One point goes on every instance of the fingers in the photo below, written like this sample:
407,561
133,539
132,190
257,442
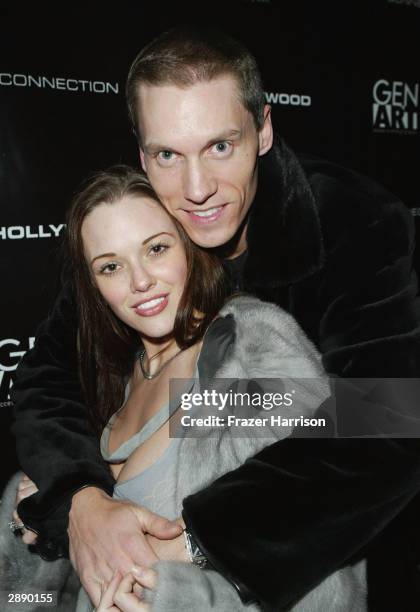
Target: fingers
156,525
106,603
125,598
16,518
28,536
92,570
94,590
122,594
107,535
25,490
138,590
25,487
146,577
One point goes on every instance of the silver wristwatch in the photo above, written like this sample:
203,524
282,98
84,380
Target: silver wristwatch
194,552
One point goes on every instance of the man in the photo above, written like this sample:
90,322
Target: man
332,248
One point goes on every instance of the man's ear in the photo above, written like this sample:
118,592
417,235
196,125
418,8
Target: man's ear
265,135
142,162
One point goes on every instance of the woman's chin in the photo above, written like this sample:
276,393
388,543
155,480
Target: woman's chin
158,335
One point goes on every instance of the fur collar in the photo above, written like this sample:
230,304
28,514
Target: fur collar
284,220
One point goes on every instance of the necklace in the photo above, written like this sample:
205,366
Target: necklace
147,374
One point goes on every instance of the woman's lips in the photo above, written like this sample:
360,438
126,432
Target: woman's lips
152,307
204,217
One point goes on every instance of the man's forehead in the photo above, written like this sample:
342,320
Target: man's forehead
200,112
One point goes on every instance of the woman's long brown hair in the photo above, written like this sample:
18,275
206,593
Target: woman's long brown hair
106,345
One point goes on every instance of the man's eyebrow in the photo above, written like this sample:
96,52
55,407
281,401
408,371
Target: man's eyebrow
155,146
226,135
143,243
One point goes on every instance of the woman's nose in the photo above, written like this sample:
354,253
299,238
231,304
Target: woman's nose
141,280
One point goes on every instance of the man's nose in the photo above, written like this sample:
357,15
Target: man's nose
141,279
199,182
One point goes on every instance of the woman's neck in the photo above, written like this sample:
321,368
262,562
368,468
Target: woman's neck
158,352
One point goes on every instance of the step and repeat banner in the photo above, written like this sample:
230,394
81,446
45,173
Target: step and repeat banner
343,82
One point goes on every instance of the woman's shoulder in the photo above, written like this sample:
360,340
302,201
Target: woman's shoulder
250,312
268,340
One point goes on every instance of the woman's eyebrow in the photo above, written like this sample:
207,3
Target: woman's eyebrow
155,235
103,255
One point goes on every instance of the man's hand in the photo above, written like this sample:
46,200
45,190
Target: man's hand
170,550
106,535
26,487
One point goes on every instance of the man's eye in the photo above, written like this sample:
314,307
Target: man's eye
165,155
222,147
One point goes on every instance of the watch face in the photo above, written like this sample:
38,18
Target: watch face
194,552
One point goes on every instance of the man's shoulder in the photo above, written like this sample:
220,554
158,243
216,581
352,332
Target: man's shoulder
348,199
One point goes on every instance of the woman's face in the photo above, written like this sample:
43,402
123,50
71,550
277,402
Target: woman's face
138,262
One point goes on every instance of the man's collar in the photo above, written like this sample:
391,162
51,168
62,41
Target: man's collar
284,233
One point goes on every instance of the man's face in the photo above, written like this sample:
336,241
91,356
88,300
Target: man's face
199,149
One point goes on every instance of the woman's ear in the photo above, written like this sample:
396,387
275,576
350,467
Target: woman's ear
265,135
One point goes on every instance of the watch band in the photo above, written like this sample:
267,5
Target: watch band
194,552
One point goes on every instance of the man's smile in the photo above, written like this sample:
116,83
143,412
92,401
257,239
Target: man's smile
204,217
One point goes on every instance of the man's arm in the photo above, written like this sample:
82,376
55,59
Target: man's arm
300,509
56,447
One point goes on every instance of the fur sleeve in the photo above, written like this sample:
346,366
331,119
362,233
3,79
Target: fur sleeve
182,586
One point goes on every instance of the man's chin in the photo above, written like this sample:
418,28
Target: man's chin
210,240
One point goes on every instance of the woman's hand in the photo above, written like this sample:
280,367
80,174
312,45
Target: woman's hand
123,594
26,487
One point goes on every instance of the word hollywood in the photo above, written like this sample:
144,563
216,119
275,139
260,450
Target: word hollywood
285,99
395,106
19,232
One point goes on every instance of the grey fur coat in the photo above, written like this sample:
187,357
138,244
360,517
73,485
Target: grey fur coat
268,344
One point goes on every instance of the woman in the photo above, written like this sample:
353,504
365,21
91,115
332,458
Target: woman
151,309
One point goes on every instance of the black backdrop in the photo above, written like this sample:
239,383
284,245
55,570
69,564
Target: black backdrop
342,78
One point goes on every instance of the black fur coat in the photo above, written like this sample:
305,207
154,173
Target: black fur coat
335,250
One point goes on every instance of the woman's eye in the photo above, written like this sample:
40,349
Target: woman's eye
110,268
158,249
